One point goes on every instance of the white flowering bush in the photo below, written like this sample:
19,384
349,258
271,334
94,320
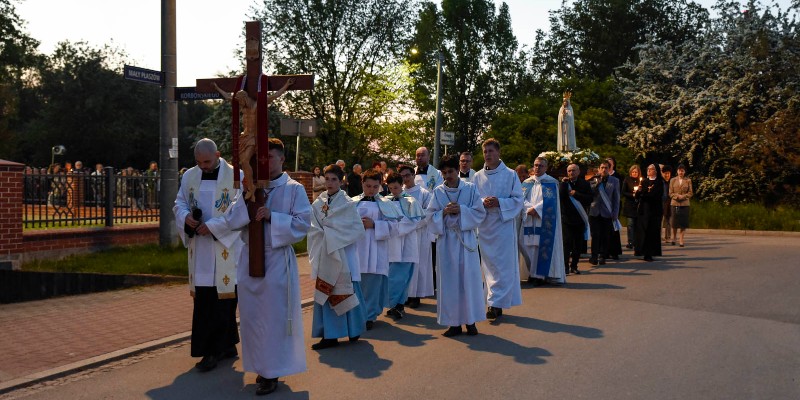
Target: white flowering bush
558,160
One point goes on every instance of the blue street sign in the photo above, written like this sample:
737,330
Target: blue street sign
143,75
188,93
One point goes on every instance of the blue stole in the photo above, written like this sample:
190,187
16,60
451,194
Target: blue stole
547,231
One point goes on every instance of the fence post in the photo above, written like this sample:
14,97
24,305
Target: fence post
11,210
110,195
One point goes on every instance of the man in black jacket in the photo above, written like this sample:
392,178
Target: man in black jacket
575,195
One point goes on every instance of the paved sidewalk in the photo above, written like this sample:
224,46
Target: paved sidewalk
50,337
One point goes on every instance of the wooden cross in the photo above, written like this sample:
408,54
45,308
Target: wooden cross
251,83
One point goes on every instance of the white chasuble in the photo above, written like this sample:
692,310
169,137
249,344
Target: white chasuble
498,236
460,298
211,257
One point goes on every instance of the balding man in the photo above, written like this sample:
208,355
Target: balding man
206,192
426,175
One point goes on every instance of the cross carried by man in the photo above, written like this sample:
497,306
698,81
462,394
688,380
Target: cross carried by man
250,148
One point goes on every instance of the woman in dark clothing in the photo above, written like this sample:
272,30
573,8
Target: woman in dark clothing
615,243
648,234
629,207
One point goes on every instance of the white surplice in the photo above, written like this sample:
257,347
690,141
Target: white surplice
498,235
460,298
534,198
429,180
270,307
422,280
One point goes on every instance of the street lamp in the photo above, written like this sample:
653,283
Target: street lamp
438,128
56,150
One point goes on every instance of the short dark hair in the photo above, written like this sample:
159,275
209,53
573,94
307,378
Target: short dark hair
394,177
404,167
275,144
448,161
681,166
373,174
465,153
613,160
491,142
334,169
666,168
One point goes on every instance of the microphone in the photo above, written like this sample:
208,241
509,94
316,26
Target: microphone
197,215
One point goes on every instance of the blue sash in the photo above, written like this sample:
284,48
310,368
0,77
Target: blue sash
547,231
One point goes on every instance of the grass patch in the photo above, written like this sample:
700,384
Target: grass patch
146,259
711,215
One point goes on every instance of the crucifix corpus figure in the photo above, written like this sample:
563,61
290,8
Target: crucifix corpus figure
247,139
566,125
250,94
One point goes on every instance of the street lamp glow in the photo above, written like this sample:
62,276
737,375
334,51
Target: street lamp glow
414,51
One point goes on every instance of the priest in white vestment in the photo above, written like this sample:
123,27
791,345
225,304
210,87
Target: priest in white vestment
205,194
270,307
540,234
501,193
455,211
335,229
465,172
426,175
421,284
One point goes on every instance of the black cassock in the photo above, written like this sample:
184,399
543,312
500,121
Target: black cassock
650,210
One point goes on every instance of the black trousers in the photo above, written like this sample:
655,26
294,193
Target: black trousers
601,235
213,322
573,244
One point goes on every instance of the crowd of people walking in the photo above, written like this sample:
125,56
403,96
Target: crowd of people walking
381,240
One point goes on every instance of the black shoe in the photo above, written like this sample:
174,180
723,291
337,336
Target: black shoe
566,271
453,331
324,344
575,271
354,339
648,258
491,313
628,246
593,260
370,324
396,311
207,363
228,353
531,280
472,330
266,386
413,302
260,379
615,258
602,261
637,253
539,282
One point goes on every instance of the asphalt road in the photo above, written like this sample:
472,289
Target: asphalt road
718,319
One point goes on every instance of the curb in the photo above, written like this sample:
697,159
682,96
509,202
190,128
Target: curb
732,232
94,362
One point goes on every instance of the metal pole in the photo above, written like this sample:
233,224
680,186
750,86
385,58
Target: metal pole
438,134
168,127
297,149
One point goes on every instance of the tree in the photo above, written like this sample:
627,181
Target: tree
83,102
727,104
18,58
353,48
591,38
481,66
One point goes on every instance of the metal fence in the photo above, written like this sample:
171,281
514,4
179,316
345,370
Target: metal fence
77,199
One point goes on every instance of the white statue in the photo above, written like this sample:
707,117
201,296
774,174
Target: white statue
566,126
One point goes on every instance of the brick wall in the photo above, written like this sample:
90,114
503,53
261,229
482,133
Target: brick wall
306,179
10,214
59,243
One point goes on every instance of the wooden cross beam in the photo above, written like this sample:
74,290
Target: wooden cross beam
256,122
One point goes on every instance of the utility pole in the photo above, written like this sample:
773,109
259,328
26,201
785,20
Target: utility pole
438,135
168,126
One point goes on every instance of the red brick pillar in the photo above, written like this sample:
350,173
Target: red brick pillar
75,192
10,214
305,178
